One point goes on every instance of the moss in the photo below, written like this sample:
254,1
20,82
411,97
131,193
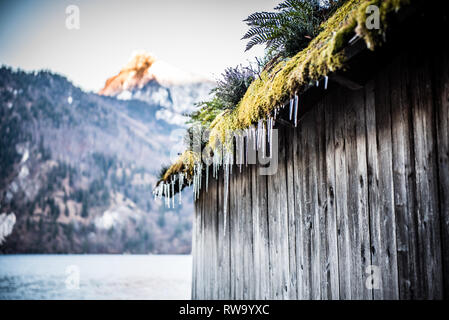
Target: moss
184,164
324,54
376,37
223,123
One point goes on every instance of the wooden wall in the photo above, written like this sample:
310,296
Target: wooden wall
362,181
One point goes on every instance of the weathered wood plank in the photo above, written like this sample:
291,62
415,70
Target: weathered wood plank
441,76
263,236
206,230
302,230
256,232
403,181
206,245
248,258
358,219
224,234
283,213
240,215
234,187
200,257
382,217
332,271
311,219
289,154
195,253
202,248
212,195
278,228
221,246
429,237
321,206
312,205
341,190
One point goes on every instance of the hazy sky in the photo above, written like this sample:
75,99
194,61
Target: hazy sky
202,36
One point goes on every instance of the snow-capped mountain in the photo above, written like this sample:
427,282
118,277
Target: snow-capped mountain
154,81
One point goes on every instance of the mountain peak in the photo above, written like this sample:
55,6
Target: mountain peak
140,62
143,68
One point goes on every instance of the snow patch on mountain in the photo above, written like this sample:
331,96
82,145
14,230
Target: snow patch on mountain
156,82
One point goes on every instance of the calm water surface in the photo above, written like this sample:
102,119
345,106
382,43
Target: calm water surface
95,276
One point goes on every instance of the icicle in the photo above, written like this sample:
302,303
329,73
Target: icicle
270,141
217,159
164,192
214,166
200,173
264,137
240,147
269,131
326,80
180,182
194,182
161,191
225,196
291,109
217,165
198,182
173,192
197,171
296,109
254,137
246,146
242,151
158,188
167,196
207,177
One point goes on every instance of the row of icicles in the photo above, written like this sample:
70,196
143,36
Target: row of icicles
258,136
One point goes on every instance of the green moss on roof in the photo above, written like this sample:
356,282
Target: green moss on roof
323,55
184,164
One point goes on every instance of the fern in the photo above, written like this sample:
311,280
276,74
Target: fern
291,27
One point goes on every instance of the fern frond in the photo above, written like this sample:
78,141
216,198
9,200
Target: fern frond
293,24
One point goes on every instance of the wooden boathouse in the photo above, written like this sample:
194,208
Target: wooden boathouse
359,205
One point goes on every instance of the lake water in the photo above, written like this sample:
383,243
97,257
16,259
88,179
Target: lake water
95,276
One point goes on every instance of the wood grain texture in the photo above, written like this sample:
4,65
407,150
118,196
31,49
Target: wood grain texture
429,236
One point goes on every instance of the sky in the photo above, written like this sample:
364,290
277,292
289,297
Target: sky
200,36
